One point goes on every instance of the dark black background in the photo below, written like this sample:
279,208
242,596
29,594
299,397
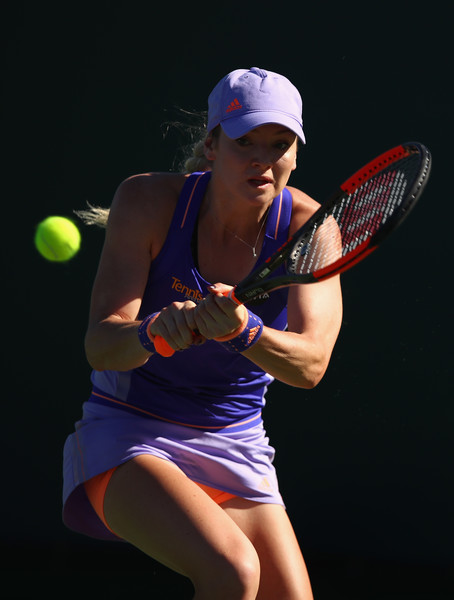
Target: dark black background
365,459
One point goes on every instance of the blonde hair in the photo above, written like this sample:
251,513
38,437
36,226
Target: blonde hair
197,161
194,160
94,215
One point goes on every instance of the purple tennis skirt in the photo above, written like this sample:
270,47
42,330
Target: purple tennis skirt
239,462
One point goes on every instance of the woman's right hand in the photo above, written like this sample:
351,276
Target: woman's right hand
177,326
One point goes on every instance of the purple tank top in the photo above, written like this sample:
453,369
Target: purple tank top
205,387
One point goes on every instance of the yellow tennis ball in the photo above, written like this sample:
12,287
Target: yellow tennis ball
57,239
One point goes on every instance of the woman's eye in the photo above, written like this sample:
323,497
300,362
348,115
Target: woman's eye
283,146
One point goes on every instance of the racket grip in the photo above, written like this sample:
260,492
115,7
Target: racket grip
162,347
230,294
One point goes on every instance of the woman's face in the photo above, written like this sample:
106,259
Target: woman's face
256,166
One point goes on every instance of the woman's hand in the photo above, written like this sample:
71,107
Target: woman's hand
177,325
217,316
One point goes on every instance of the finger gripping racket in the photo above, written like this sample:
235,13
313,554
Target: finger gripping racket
346,228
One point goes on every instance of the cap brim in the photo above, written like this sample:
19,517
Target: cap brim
237,126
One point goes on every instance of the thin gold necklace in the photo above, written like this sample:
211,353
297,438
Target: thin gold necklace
253,248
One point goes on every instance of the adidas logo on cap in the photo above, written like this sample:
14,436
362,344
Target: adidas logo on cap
234,105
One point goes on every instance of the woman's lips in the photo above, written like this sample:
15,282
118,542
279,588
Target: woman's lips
260,181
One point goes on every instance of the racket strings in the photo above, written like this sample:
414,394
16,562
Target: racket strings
347,226
369,208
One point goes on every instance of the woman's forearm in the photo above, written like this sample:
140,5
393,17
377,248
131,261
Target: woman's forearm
113,344
290,357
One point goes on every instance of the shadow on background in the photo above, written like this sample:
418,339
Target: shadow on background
365,460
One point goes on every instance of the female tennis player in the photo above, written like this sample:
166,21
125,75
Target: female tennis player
171,454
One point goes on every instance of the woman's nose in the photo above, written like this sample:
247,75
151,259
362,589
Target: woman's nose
263,157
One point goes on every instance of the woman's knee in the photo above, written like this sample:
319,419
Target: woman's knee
235,575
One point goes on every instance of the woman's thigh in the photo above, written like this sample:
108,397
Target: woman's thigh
151,503
283,570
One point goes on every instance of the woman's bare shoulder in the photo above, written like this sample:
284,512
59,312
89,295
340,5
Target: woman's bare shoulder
143,206
149,188
303,207
148,195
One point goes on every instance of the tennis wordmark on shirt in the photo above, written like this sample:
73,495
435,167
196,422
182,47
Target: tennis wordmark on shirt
189,293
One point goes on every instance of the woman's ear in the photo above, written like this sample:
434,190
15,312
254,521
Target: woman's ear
210,147
296,154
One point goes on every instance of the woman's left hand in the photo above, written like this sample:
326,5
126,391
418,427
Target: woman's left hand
217,316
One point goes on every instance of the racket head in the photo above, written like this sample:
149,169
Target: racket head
350,225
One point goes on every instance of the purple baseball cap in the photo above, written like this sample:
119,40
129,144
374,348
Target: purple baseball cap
245,99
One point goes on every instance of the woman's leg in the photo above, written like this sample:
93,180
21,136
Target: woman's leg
150,503
283,571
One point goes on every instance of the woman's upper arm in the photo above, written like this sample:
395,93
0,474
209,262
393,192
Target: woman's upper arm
314,309
135,231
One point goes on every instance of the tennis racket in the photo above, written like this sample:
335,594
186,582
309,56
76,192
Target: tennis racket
346,228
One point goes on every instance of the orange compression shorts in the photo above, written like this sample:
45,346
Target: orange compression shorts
96,487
